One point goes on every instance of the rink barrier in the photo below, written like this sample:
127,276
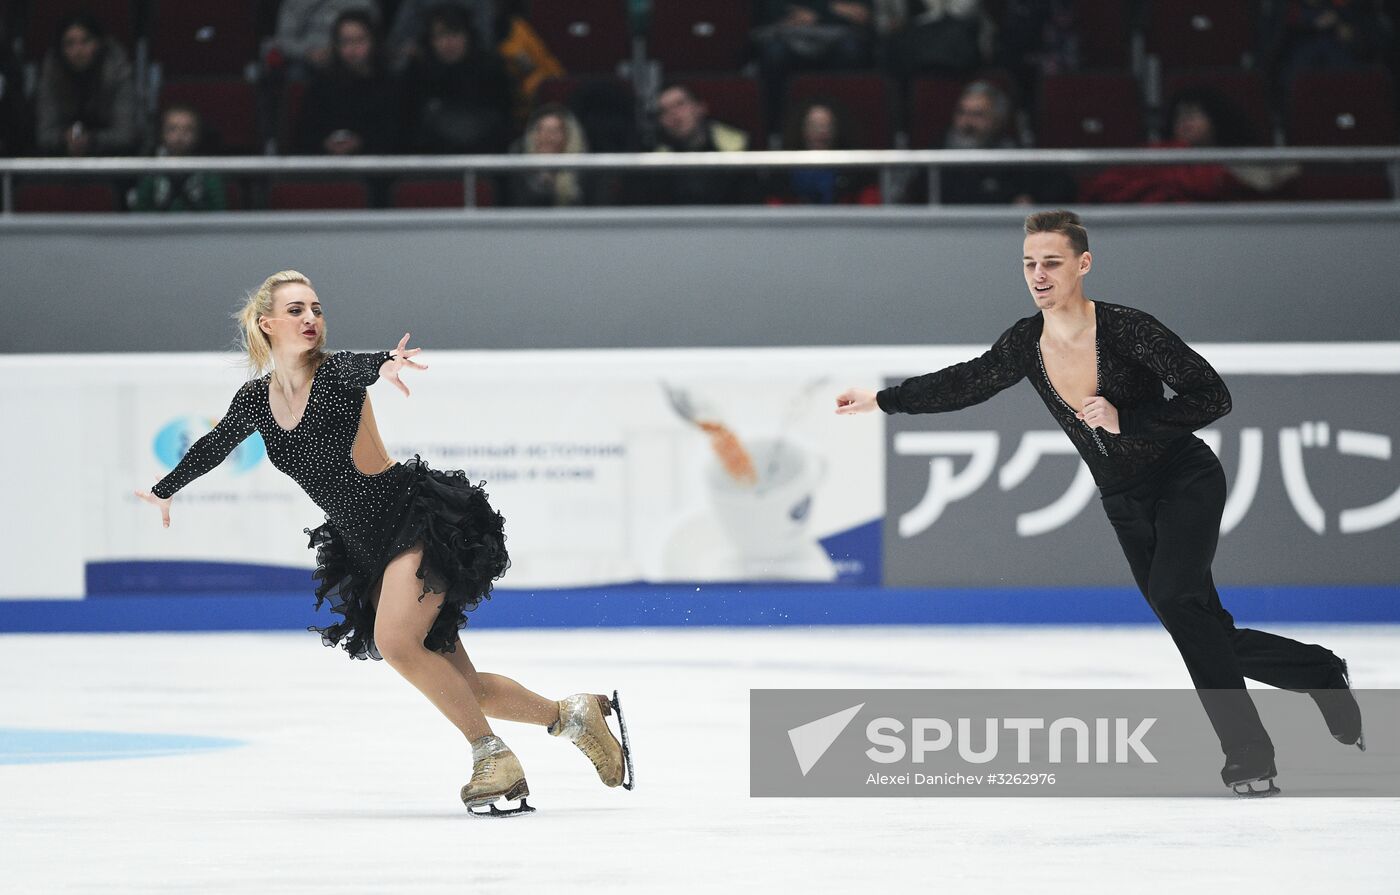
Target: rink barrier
708,605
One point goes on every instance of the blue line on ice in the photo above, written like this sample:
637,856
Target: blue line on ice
20,746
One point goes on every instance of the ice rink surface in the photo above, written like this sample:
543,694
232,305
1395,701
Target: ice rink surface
346,780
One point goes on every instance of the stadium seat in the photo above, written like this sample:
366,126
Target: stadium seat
932,102
1196,33
65,196
1104,33
1090,111
734,100
1342,108
44,15
203,38
228,106
286,195
1245,90
867,98
289,115
585,35
700,35
439,193
1337,184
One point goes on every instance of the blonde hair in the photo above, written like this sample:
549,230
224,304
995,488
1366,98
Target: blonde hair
259,304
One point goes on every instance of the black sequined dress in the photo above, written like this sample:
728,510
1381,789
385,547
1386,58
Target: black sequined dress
370,519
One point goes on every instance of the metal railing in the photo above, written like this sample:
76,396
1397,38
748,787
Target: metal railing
468,167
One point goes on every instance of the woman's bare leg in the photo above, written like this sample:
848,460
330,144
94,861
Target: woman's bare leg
503,698
402,621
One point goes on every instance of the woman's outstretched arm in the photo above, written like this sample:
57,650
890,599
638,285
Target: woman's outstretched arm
206,453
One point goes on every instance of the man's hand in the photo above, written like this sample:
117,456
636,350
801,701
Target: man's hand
1100,414
856,400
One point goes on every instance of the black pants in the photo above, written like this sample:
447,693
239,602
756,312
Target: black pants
1168,526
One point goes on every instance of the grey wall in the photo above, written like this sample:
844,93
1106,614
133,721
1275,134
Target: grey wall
687,277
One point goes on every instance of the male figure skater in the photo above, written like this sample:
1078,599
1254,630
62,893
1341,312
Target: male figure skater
1100,368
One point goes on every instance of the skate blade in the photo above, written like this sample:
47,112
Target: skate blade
493,811
1246,789
629,780
517,792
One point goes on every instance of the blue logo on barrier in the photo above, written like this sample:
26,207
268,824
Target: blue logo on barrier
175,439
19,746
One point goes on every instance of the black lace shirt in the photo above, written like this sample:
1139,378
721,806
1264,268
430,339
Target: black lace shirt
1135,355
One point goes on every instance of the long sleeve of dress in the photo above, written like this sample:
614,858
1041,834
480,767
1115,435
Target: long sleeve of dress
1201,397
210,450
358,370
965,384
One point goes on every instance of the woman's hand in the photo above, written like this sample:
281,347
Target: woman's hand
856,400
1100,414
400,357
162,502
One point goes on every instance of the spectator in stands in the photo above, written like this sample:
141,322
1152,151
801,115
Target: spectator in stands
817,125
684,125
16,116
528,61
181,134
405,43
459,92
1328,34
984,119
552,129
945,37
302,41
355,105
1199,118
802,35
86,100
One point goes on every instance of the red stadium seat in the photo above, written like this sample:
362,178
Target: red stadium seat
867,98
289,115
40,34
65,197
1245,90
203,38
233,195
1195,33
1342,108
585,35
1333,184
1104,33
700,35
1090,111
734,100
562,90
288,195
932,102
441,193
229,108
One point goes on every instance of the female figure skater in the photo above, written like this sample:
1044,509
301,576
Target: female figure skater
405,550
1099,368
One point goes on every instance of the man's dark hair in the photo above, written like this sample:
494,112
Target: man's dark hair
1064,222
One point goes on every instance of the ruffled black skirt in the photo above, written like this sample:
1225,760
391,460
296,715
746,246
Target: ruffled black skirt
464,552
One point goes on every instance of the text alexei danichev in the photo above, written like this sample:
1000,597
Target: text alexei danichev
957,779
